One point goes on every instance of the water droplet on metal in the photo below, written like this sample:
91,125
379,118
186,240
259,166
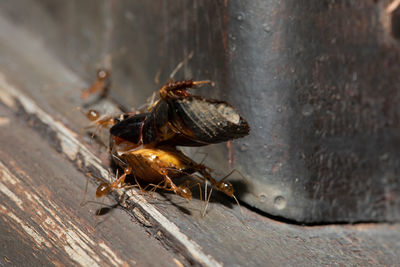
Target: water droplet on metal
279,202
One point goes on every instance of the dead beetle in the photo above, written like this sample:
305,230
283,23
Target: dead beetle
179,118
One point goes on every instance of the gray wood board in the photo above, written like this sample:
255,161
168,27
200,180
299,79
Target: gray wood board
41,217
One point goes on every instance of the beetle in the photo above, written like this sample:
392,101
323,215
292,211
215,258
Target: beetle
159,166
144,144
180,118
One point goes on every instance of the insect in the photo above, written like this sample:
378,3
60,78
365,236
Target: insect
159,166
101,84
179,118
144,144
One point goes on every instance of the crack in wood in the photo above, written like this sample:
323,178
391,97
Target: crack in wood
69,145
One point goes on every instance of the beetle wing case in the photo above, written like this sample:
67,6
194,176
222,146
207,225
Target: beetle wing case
206,121
183,121
130,128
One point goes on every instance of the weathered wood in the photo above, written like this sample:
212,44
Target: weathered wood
41,216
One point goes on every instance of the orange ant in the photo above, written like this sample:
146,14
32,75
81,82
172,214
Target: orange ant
101,85
144,144
159,166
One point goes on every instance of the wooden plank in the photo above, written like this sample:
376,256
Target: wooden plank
43,222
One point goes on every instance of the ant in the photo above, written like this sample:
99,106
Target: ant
144,143
162,164
101,85
158,166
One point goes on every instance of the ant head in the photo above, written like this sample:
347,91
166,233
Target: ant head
225,187
103,74
128,170
102,190
163,172
184,192
93,115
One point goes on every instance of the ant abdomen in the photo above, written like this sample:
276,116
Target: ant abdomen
184,192
103,189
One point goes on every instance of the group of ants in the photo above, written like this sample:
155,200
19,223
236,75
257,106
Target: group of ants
143,143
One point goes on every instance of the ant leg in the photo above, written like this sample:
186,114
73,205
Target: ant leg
176,69
103,182
101,84
86,188
101,206
182,191
186,184
98,127
83,203
98,121
207,202
206,198
203,82
181,85
105,187
153,189
155,186
221,185
150,103
231,156
121,180
180,64
137,184
157,77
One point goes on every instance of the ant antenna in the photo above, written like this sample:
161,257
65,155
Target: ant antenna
180,64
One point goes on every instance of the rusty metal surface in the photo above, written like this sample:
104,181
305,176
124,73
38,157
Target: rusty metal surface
317,80
46,154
